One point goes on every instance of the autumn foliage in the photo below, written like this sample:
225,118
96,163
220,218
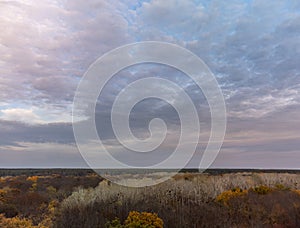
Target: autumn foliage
137,219
82,199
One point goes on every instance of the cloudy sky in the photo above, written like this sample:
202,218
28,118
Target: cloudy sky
251,46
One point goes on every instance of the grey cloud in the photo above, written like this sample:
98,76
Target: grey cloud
13,133
55,88
252,47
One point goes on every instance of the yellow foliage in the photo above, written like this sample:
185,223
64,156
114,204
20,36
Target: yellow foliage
144,219
51,190
282,187
33,178
15,222
262,190
52,206
137,220
2,195
33,187
34,184
224,197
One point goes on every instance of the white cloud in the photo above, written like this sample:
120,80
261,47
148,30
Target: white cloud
259,104
53,42
36,115
22,115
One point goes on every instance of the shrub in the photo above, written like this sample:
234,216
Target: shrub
262,189
116,223
15,222
2,195
143,220
224,197
33,178
281,187
137,220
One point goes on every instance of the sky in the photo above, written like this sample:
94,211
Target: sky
252,47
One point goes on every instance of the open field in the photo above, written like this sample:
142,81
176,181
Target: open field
217,198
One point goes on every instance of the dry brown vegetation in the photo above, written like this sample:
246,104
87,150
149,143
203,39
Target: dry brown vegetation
192,200
242,199
34,199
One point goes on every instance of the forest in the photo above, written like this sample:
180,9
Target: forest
81,198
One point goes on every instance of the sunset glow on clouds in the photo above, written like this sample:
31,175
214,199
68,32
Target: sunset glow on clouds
252,47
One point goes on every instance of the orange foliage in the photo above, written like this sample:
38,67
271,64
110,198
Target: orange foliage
33,178
143,219
224,197
15,222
